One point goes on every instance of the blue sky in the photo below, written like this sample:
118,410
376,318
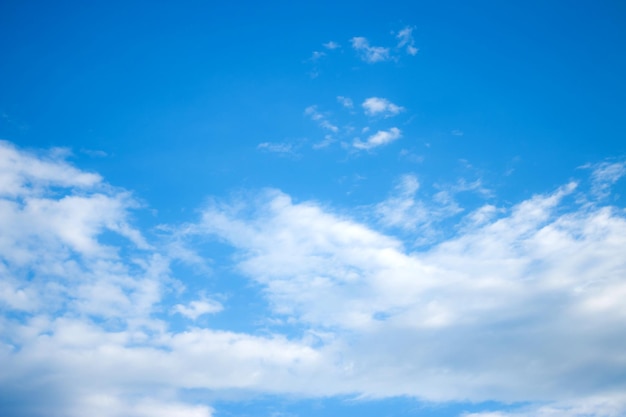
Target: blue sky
291,210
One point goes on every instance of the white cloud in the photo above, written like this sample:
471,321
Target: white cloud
345,102
317,55
404,210
331,45
372,54
485,315
604,175
368,53
324,143
108,405
198,308
594,406
280,148
320,118
405,40
523,304
380,138
380,106
23,173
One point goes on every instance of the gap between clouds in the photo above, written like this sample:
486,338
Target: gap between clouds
485,315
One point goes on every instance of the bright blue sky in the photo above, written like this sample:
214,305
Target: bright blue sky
313,209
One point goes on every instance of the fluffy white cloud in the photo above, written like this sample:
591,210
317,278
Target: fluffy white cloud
24,174
522,304
380,138
368,53
486,315
380,106
198,308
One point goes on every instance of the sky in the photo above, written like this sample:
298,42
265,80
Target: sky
298,209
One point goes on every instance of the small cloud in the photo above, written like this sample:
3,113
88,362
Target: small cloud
457,132
315,115
331,45
405,40
198,308
376,105
345,102
604,175
410,156
280,148
317,55
94,153
368,53
328,139
380,138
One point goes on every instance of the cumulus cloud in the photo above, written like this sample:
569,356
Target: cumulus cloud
380,138
27,173
523,304
331,45
380,106
368,53
485,315
197,308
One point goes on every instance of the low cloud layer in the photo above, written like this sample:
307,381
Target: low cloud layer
522,304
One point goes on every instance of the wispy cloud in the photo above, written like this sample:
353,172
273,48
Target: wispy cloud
372,54
380,138
277,147
327,141
604,175
401,209
316,55
320,118
374,106
331,45
405,209
405,40
345,102
197,308
368,53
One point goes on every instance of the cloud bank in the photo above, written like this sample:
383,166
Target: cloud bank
522,304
